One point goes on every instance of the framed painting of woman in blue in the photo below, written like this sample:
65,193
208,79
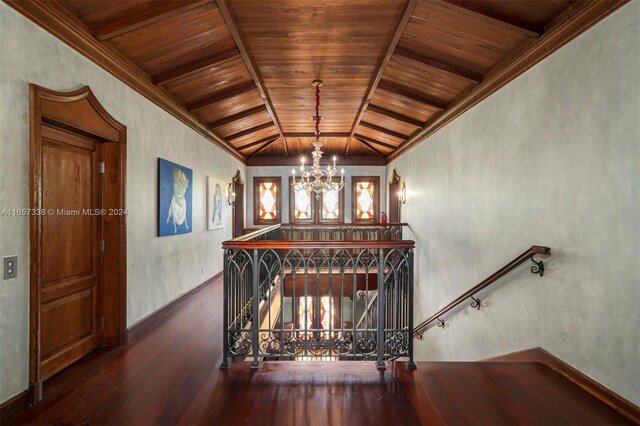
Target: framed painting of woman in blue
175,204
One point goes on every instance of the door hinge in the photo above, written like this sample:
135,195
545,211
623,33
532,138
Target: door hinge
102,323
102,168
103,245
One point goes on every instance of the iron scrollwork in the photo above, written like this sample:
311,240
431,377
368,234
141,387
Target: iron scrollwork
476,303
538,268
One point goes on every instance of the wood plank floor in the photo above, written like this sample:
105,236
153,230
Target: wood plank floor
170,376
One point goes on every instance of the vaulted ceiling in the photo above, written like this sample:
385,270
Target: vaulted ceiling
240,72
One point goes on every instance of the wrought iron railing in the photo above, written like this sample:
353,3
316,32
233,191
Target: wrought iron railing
313,294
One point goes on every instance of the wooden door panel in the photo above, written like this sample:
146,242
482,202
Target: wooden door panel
70,300
55,320
68,237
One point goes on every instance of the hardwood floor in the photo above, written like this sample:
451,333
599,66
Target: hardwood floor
170,376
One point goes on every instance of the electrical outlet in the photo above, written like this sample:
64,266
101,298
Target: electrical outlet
10,267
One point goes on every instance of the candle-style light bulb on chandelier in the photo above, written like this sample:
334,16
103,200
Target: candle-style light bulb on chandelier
317,179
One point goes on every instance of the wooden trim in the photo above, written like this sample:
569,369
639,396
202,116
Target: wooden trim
258,142
44,103
133,21
393,186
237,116
442,66
347,225
313,135
371,148
383,130
333,222
605,395
51,16
316,209
152,320
574,21
256,199
345,244
402,23
237,182
221,96
395,115
291,161
15,405
418,97
232,26
504,20
263,147
292,197
195,67
376,199
249,131
377,142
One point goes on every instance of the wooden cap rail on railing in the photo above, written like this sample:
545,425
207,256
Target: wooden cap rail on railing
526,255
303,244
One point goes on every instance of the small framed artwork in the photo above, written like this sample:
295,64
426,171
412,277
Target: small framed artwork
215,205
175,202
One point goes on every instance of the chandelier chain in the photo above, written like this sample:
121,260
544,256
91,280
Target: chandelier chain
317,179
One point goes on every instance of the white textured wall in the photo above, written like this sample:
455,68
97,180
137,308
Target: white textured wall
551,159
285,172
159,269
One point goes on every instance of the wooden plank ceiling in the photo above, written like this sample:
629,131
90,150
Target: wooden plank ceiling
393,70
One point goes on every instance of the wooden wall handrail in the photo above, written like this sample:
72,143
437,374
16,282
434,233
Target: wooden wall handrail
526,255
304,244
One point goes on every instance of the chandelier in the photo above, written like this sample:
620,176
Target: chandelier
317,179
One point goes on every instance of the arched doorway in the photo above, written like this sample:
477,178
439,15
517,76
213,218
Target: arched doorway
237,186
78,238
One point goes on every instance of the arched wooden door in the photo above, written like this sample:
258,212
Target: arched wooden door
394,199
237,185
78,236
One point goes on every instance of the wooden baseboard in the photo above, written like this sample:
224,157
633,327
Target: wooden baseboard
604,394
15,405
144,325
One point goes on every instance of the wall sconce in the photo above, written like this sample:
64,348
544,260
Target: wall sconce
231,196
402,193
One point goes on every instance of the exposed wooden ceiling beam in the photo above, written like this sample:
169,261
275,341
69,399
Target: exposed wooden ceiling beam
313,135
258,142
367,145
232,26
395,115
402,23
369,160
249,131
506,18
195,67
263,147
383,130
418,97
145,16
576,19
221,96
377,142
57,20
442,66
238,116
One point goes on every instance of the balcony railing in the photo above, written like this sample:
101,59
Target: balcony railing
323,293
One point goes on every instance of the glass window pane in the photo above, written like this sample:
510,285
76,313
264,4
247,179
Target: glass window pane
268,204
330,205
302,203
364,200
